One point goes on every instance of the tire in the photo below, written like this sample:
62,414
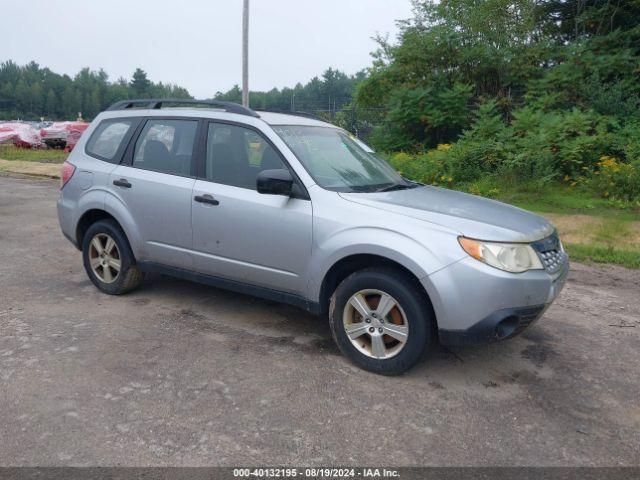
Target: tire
410,310
105,276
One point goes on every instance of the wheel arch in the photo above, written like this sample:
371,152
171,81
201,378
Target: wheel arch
87,219
92,215
355,262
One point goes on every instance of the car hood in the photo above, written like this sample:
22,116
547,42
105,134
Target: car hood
472,216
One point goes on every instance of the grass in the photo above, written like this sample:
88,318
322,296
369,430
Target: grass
39,169
48,155
593,229
600,254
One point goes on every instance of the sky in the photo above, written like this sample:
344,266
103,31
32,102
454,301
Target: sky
197,43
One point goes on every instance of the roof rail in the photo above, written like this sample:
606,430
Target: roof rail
158,103
296,113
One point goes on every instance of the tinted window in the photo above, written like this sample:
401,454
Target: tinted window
236,155
166,146
107,139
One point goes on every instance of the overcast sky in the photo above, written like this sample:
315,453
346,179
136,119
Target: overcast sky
197,43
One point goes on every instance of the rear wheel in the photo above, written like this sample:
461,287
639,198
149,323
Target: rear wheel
380,320
108,259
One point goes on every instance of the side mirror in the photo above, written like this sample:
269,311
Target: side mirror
275,182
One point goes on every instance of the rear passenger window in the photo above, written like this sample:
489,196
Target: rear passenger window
107,139
236,155
166,146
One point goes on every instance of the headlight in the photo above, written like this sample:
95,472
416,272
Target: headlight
511,257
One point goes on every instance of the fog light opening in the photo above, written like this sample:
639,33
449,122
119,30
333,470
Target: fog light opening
507,327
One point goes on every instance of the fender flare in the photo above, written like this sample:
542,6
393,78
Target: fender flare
118,210
389,244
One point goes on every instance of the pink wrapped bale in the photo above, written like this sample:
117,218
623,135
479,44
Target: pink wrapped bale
74,132
21,135
63,134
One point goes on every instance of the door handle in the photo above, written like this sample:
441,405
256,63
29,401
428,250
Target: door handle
208,199
122,183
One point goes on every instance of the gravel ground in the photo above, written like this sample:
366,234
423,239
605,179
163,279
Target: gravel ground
182,374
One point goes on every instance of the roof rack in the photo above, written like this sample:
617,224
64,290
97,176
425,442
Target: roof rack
158,103
296,113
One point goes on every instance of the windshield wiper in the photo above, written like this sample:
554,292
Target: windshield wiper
397,186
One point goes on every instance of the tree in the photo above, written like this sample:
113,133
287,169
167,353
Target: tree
51,104
70,102
140,83
22,97
93,105
36,99
7,99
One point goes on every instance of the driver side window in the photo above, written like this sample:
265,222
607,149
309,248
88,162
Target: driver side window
236,155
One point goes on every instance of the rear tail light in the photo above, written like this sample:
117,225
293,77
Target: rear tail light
66,172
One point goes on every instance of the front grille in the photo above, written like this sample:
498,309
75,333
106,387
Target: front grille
550,252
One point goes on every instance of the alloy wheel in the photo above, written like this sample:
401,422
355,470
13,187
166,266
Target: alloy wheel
104,258
376,324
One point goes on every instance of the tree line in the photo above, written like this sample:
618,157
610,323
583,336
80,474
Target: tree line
329,93
32,92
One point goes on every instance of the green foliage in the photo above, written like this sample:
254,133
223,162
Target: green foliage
615,179
328,94
140,83
49,155
538,91
604,254
31,92
425,168
571,146
422,117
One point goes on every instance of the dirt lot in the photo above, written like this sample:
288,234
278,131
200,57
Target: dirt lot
182,374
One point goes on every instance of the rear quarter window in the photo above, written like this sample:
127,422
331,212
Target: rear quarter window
106,141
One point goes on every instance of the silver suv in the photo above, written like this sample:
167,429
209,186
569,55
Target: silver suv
293,209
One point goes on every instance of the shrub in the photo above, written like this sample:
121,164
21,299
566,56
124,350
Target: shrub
480,148
556,144
615,179
421,117
539,146
424,168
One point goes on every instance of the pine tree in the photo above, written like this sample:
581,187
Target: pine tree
140,83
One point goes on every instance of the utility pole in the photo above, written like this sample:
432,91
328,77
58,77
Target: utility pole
245,53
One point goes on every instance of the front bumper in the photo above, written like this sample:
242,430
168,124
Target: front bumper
475,303
500,325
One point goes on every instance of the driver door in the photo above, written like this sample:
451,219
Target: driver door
238,233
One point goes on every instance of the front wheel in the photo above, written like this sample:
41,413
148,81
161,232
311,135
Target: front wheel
380,320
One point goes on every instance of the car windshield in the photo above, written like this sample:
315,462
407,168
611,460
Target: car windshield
339,161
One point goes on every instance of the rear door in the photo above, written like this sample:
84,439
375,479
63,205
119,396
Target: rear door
240,234
155,182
